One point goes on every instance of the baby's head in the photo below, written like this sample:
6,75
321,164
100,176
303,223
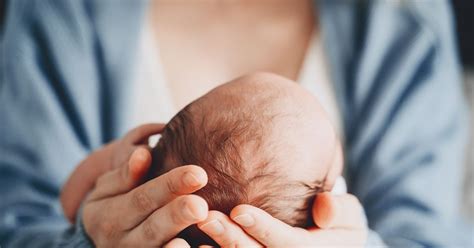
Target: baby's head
262,139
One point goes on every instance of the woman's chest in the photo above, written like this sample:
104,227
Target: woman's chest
193,61
198,67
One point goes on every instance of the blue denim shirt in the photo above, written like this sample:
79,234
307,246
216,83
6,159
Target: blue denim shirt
65,73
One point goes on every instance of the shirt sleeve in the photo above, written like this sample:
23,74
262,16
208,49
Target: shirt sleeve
76,235
407,125
46,128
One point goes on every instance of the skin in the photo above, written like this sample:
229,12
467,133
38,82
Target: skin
305,138
120,210
302,142
311,151
110,208
215,41
107,158
241,37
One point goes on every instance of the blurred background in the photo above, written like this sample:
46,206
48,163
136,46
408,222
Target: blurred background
464,14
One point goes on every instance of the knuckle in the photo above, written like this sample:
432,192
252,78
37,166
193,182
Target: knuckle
172,186
264,234
178,213
101,227
108,229
101,180
177,218
141,201
149,230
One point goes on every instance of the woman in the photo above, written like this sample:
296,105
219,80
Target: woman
71,78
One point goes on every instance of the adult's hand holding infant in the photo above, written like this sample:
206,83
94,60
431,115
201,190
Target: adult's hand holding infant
339,218
119,213
109,157
116,213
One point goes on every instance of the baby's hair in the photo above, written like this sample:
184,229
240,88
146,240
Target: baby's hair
235,149
223,144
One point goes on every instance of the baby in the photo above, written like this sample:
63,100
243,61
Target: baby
263,140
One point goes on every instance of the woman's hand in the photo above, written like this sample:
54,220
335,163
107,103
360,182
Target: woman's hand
339,219
111,156
117,213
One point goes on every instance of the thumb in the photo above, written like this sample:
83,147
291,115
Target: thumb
124,178
138,164
338,211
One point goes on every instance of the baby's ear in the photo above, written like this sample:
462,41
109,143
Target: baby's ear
335,169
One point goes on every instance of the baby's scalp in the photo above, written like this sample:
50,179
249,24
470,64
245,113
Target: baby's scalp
258,138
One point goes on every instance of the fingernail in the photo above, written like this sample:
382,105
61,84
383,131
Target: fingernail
191,180
213,227
244,220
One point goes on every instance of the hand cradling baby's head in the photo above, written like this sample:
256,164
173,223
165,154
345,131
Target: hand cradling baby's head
263,140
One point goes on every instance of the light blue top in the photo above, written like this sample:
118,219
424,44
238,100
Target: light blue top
65,73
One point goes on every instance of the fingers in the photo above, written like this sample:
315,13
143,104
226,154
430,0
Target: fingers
156,193
138,165
177,243
124,178
225,232
124,152
166,222
111,181
266,229
338,211
140,134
